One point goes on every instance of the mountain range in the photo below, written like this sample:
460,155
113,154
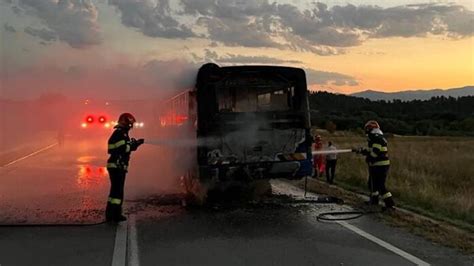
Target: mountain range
415,94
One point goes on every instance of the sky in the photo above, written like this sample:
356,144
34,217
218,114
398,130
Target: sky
149,48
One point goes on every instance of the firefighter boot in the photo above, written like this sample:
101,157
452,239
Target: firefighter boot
109,215
389,204
118,217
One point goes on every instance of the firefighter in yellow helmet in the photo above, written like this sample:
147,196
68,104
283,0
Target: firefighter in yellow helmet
379,164
120,147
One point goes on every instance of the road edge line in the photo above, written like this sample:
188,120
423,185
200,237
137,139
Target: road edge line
383,244
133,258
119,256
30,155
373,238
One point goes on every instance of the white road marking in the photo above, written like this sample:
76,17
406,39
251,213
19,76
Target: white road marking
119,257
132,252
383,244
31,154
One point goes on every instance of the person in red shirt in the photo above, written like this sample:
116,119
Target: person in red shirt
318,159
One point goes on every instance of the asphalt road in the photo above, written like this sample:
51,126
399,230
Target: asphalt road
69,185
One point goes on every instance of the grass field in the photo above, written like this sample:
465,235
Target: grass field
431,175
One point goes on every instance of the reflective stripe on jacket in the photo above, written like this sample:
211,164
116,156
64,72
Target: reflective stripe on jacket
378,150
119,148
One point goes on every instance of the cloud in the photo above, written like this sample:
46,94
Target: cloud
152,18
235,23
16,10
323,78
320,29
43,34
404,21
9,28
312,25
72,21
238,33
345,26
212,56
317,29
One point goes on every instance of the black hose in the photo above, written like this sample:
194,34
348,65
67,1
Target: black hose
353,215
336,215
53,225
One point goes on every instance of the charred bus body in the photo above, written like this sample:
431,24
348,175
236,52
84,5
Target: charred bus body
250,123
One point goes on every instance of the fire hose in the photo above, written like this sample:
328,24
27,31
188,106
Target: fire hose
338,215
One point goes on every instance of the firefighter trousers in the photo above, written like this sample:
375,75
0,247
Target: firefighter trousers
114,204
376,184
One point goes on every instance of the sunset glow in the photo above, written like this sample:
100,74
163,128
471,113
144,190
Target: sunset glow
124,48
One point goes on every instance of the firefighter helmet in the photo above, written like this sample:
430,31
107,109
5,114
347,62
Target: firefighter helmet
371,124
126,120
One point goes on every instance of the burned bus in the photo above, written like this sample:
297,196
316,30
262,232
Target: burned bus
248,123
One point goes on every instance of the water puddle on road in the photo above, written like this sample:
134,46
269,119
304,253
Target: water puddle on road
89,176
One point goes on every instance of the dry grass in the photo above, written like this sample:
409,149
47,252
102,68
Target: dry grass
431,175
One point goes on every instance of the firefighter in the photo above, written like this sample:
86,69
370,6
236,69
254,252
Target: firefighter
379,163
119,147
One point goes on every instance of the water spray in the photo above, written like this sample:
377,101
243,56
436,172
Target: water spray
323,152
172,142
194,142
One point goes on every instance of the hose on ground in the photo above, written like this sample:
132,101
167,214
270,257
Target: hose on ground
339,216
342,215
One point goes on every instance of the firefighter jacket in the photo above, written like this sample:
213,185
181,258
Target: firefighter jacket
377,152
119,148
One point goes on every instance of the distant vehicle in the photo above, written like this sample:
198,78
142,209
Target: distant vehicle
247,123
98,116
96,121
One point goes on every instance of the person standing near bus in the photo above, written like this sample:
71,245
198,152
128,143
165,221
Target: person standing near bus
318,159
331,160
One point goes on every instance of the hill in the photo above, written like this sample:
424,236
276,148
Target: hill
415,94
436,116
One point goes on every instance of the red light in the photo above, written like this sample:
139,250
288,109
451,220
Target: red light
179,119
90,119
102,119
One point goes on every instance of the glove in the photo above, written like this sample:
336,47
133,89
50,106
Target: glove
135,143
